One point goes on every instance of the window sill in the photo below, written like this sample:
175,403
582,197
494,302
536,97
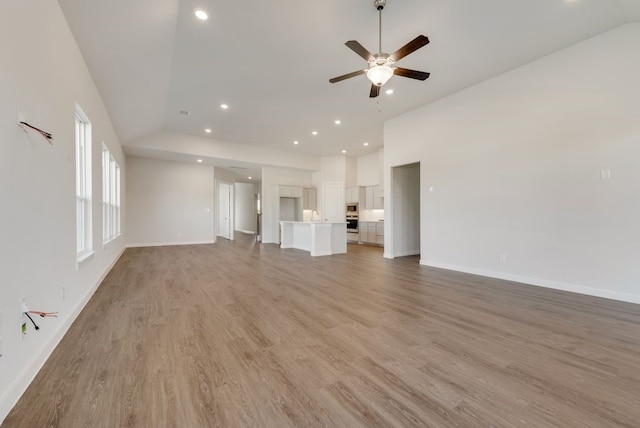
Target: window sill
105,244
83,257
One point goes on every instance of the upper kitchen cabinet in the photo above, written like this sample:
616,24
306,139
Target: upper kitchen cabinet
309,199
355,194
374,198
290,191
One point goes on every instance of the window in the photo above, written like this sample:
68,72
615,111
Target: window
110,196
83,185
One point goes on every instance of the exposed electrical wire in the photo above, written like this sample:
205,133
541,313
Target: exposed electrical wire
32,321
44,314
44,134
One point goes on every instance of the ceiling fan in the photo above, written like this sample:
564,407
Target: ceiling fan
379,70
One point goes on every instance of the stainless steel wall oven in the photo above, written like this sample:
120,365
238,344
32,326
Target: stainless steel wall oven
352,224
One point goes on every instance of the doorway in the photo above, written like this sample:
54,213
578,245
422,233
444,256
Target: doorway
225,223
405,205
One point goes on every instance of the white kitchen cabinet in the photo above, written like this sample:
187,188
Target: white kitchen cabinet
374,198
350,194
378,198
372,232
309,199
296,192
363,231
284,191
380,233
355,194
368,198
289,191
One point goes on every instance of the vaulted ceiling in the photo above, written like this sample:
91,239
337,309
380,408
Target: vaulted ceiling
270,61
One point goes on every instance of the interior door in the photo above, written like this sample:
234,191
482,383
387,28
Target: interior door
334,207
224,210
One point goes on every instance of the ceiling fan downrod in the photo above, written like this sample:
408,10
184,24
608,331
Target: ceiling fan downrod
379,4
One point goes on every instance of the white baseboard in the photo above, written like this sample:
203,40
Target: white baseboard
166,244
556,285
320,253
407,253
9,399
248,232
401,254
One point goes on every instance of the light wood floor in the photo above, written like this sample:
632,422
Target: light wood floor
243,334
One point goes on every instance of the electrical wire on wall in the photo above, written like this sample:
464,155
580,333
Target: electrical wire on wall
32,321
42,314
47,136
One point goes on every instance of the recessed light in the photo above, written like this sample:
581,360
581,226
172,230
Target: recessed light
201,14
337,122
224,106
199,161
314,132
389,91
296,142
249,178
365,144
344,151
208,130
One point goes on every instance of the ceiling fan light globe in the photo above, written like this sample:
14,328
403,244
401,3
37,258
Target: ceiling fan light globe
379,74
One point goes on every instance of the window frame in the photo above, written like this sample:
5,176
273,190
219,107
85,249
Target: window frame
84,227
111,191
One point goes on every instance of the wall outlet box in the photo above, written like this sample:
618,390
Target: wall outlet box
23,317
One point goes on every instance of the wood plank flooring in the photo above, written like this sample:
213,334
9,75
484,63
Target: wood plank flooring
244,334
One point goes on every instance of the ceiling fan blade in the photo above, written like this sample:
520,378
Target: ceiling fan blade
412,74
346,76
360,50
410,47
375,91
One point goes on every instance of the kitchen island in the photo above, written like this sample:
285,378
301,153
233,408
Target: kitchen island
320,239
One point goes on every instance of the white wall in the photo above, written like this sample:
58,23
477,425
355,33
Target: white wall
351,172
369,170
169,203
333,168
43,74
245,210
515,166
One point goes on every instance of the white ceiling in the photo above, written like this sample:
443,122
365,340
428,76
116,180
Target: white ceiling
271,61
